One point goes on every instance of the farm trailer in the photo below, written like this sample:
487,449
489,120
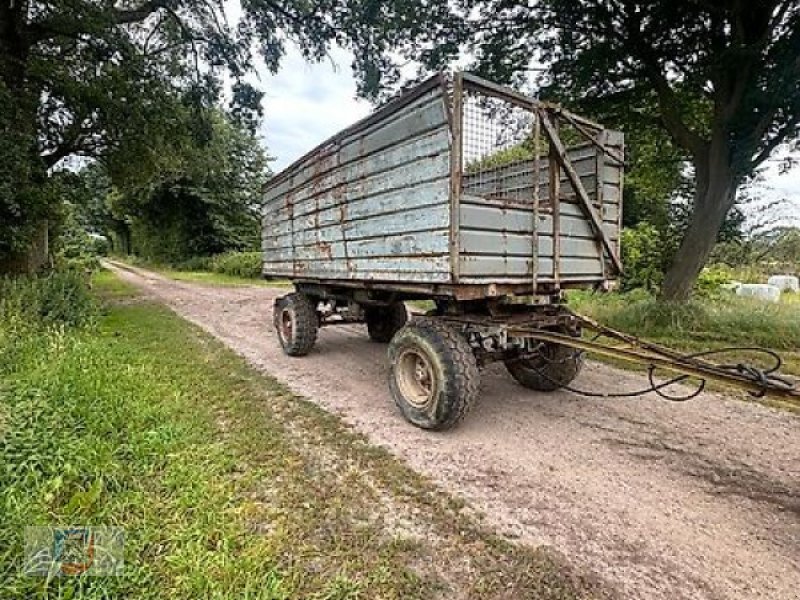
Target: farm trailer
464,193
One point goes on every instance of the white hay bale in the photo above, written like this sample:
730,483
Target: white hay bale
786,283
731,286
761,291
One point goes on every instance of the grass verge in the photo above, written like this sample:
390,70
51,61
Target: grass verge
226,483
705,323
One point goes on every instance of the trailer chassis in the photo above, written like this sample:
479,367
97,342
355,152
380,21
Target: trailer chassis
435,358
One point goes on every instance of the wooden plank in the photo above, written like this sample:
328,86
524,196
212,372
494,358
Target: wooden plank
518,266
385,192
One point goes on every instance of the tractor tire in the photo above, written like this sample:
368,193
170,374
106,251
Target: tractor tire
433,376
556,366
384,321
297,323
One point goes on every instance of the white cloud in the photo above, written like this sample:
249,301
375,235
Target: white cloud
304,104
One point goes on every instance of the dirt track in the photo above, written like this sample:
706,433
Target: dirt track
661,500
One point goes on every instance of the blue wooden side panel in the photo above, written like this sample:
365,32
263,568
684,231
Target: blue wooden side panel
373,205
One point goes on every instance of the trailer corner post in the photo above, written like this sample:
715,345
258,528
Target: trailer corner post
551,127
537,132
456,168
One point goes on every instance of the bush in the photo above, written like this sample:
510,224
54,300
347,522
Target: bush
236,264
58,298
712,278
643,257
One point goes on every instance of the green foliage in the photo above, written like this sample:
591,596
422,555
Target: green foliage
711,280
643,257
237,264
506,156
58,298
716,320
105,79
201,197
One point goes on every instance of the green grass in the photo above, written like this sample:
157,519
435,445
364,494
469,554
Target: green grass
217,278
704,323
227,484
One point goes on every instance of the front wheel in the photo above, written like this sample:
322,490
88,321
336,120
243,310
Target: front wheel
433,376
295,319
553,368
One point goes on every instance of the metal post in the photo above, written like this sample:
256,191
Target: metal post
555,203
456,167
537,131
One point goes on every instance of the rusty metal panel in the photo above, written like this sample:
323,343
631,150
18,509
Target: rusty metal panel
496,225
372,203
488,267
405,195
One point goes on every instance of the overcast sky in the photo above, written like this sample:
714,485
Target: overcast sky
305,104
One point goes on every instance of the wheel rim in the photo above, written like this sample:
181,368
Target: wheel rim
414,376
286,325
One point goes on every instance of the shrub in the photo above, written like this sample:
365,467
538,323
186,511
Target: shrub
712,278
196,263
238,264
58,298
643,257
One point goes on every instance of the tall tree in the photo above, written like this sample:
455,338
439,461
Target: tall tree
720,77
202,196
79,76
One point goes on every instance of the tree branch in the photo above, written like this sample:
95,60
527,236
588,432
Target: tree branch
667,100
58,26
776,141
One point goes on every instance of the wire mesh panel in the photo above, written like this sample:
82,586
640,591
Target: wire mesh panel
498,148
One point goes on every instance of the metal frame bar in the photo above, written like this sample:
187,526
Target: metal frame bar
646,354
630,349
537,132
554,187
561,155
456,171
570,118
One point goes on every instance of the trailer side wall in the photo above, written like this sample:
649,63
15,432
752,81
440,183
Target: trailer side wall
372,204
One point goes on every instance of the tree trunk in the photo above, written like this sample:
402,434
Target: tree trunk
714,197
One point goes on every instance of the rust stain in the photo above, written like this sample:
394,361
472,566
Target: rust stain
325,249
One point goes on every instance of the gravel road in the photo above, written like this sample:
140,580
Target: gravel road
661,500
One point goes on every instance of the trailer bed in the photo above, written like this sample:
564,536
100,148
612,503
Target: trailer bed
413,198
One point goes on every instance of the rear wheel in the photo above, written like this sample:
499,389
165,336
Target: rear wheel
296,321
555,367
384,321
433,376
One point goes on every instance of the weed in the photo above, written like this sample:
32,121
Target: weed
227,484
